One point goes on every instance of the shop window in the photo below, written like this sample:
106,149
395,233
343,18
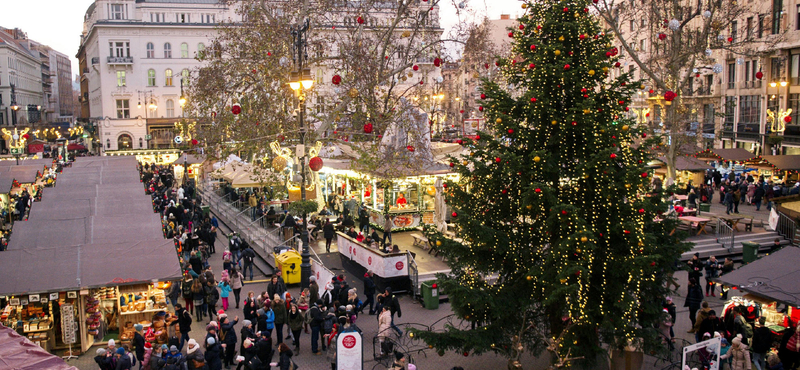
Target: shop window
124,141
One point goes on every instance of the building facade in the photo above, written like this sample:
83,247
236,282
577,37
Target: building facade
21,89
133,59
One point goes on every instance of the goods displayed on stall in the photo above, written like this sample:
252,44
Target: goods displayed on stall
48,320
753,307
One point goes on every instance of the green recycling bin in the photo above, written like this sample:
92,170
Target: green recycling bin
430,295
206,211
749,251
705,207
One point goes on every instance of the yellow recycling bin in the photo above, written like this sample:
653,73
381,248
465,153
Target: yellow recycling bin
289,264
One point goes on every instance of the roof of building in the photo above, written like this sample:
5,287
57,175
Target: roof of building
771,276
734,154
783,162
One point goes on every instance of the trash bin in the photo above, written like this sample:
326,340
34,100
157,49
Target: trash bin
705,207
430,295
749,251
206,211
288,263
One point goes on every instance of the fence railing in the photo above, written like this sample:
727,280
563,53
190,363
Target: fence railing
724,234
786,227
413,273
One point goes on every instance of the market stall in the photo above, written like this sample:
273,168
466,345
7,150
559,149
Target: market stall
781,168
391,269
687,169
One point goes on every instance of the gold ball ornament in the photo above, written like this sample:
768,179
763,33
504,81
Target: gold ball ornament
627,186
563,281
587,111
411,335
524,6
404,78
353,92
578,250
557,52
609,45
553,122
498,121
430,346
466,317
537,159
438,243
279,164
465,163
560,38
529,278
605,69
584,239
641,87
591,72
529,206
625,127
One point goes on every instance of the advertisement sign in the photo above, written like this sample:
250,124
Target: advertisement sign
322,274
349,351
382,265
705,353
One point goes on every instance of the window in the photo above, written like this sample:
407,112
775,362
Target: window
754,70
121,79
201,47
641,46
794,69
123,108
761,25
118,11
108,143
797,19
124,141
731,75
777,9
794,104
183,17
119,49
747,71
633,25
749,113
170,108
184,50
168,77
151,77
151,50
749,30
734,28
141,143
185,77
167,50
776,72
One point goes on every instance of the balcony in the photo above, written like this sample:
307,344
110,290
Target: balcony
95,60
727,134
119,60
755,84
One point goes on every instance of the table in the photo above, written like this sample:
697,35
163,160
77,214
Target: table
420,241
700,221
681,199
732,221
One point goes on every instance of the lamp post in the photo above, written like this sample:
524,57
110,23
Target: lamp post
300,80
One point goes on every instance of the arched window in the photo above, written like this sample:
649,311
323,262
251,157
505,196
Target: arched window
170,108
185,77
167,50
168,77
184,50
108,143
201,47
141,143
124,141
151,50
151,77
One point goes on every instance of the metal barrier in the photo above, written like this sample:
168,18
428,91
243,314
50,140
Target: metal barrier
724,234
786,227
413,273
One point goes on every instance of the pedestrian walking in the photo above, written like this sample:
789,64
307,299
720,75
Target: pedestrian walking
762,342
369,291
236,284
280,317
224,291
693,300
248,257
296,319
328,232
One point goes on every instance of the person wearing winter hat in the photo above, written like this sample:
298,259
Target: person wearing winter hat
112,346
246,332
123,361
327,295
148,351
194,356
103,359
399,361
156,358
248,352
213,355
739,355
138,344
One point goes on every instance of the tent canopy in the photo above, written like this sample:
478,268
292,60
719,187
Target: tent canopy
19,353
773,276
687,164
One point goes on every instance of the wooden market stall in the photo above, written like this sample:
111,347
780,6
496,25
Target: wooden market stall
687,168
781,168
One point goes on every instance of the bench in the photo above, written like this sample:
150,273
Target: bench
420,241
750,221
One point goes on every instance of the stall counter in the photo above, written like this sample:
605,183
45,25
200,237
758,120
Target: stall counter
390,269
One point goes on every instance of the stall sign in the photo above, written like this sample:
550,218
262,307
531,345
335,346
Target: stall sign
322,274
349,351
68,324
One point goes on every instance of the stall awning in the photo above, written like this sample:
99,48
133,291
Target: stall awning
687,164
19,353
783,162
773,276
734,155
75,147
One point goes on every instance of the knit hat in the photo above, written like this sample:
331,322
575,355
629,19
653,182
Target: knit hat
100,351
164,346
120,351
312,278
173,348
260,312
138,327
668,299
221,312
211,340
738,340
246,323
111,343
247,342
412,367
148,345
723,341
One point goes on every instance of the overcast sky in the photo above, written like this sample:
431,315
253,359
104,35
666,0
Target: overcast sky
58,23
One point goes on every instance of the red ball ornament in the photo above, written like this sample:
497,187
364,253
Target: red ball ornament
483,96
644,174
759,75
498,160
582,36
537,190
454,214
497,63
422,82
644,134
533,100
641,210
236,109
563,212
578,273
566,66
452,164
26,136
662,36
566,9
461,111
585,95
574,123
621,102
486,65
315,164
522,26
670,95
696,75
194,141
787,119
652,263
480,108
368,128
360,20
613,156
466,354
730,39
437,62
459,141
410,148
585,10
504,191
511,34
583,90
533,47
415,67
651,91
531,66
269,54
511,131
477,137
336,79
617,65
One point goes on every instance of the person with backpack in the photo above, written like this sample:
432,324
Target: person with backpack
199,300
186,291
328,324
248,256
316,319
184,323
236,251
224,292
211,298
741,326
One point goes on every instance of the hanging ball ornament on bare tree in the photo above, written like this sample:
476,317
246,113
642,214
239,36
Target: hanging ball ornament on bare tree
674,24
236,108
336,79
709,52
279,164
707,14
717,68
315,164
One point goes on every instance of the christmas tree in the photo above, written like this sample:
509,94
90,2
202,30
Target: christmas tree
560,244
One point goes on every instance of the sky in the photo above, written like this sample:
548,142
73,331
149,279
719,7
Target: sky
59,23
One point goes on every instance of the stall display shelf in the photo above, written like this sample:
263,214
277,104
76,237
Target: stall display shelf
145,311
37,330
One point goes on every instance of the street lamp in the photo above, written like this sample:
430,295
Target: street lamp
299,81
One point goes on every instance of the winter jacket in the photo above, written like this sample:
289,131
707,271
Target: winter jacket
250,308
369,286
279,312
224,289
699,318
296,321
212,356
184,320
313,287
230,334
331,353
710,326
695,298
277,288
153,361
124,363
384,324
328,231
285,360
740,357
762,340
146,357
236,280
104,362
270,319
197,355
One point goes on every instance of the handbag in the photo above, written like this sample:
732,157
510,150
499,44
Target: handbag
254,363
198,364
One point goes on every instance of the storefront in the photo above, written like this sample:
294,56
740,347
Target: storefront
726,160
781,168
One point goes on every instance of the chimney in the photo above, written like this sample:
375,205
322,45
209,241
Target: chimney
505,16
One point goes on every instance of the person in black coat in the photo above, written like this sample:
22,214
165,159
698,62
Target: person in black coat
138,342
264,351
369,291
363,220
327,232
343,290
762,342
711,324
285,357
693,300
758,196
227,331
213,354
104,359
184,322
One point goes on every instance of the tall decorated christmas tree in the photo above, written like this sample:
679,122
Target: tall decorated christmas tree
560,246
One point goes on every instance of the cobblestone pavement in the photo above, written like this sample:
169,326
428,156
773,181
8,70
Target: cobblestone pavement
413,315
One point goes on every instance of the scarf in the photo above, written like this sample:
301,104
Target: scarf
294,315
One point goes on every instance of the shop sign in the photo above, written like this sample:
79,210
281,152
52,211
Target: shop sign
349,351
711,346
68,324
